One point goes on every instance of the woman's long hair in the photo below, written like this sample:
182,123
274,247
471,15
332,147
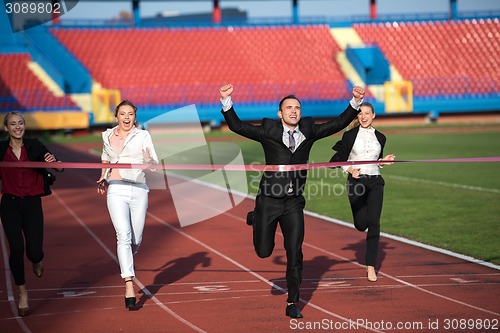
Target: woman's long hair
355,122
10,114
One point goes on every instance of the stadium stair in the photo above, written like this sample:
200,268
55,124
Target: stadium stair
349,37
47,81
26,83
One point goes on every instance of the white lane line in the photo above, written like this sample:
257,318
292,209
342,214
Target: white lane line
425,276
8,284
325,251
408,241
137,281
258,276
445,184
405,282
350,225
318,249
311,280
224,294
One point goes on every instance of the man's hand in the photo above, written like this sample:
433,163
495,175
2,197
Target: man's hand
226,90
358,93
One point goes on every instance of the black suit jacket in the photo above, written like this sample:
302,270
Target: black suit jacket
35,150
270,135
344,146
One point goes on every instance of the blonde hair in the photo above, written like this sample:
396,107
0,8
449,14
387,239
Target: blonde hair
355,122
10,114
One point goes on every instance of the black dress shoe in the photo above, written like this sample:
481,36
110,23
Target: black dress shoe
130,302
250,218
293,312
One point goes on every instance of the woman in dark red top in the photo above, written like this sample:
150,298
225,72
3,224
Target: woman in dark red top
21,204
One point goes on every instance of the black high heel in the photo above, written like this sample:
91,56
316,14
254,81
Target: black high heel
22,312
38,269
130,301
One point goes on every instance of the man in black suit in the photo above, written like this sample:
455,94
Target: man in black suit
280,200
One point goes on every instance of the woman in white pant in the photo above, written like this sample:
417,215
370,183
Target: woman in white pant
127,197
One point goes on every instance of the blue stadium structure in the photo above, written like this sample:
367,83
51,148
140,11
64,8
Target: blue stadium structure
70,74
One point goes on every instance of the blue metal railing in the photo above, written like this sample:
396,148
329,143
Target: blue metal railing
277,20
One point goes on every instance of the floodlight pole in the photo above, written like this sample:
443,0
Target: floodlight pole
295,11
373,9
136,13
55,16
216,13
453,9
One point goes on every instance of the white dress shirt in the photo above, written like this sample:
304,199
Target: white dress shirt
136,142
366,148
297,135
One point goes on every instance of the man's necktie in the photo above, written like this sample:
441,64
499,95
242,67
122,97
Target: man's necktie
291,146
291,139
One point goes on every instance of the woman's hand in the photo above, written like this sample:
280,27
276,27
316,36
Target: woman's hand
102,185
390,157
354,172
147,156
50,158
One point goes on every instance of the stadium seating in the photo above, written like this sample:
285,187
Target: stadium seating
441,58
187,65
21,90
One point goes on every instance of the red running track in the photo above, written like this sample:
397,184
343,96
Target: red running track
207,278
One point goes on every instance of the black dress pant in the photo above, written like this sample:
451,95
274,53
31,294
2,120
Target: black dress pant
289,213
366,196
22,220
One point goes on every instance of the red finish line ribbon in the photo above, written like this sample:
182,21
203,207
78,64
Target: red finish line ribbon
232,167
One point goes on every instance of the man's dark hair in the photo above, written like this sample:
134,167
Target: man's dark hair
289,97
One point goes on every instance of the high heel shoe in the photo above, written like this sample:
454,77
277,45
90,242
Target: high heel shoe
38,269
130,301
23,311
372,277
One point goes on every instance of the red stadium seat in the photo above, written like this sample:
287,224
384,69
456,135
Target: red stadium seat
23,86
199,58
433,51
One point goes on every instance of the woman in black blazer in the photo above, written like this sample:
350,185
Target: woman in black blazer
21,203
365,185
